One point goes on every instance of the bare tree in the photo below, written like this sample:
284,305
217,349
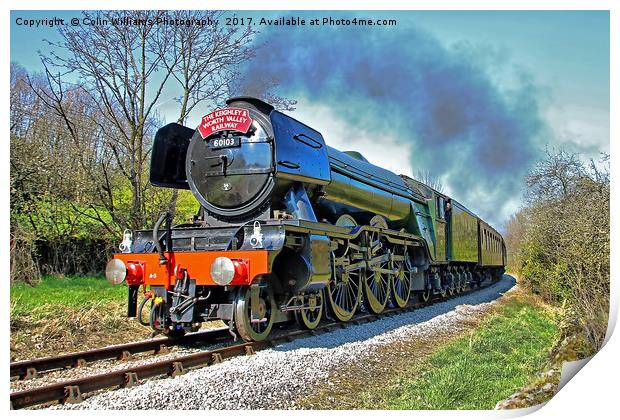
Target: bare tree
204,61
564,251
430,180
81,132
50,176
515,235
121,70
111,64
555,176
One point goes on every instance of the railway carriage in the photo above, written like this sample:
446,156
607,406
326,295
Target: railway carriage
292,229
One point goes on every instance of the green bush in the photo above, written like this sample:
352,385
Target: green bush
560,241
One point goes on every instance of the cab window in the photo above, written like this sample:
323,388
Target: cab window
441,204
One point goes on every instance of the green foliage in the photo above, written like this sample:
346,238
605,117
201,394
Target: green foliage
72,180
187,207
81,139
474,372
51,218
559,243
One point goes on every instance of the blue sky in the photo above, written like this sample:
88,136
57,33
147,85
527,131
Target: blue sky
501,86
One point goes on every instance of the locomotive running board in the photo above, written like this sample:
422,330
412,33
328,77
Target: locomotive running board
305,226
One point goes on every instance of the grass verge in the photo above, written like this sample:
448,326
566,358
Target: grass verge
63,314
501,355
69,291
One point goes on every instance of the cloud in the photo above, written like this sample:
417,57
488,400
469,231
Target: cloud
441,105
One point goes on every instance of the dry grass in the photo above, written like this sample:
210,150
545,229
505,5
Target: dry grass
65,314
68,314
55,328
23,268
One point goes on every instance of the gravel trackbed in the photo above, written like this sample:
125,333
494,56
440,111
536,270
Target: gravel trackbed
277,377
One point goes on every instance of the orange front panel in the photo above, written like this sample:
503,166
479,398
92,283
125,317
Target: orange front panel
197,264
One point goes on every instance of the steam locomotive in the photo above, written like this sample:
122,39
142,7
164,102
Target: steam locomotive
292,229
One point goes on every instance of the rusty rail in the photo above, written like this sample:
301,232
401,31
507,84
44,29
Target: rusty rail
72,390
27,369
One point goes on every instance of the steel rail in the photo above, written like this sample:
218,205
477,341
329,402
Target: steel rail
72,391
27,369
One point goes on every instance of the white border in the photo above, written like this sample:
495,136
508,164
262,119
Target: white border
592,394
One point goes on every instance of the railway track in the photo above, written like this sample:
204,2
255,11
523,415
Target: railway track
74,390
29,369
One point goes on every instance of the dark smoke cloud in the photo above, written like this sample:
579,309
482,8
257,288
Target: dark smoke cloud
439,102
